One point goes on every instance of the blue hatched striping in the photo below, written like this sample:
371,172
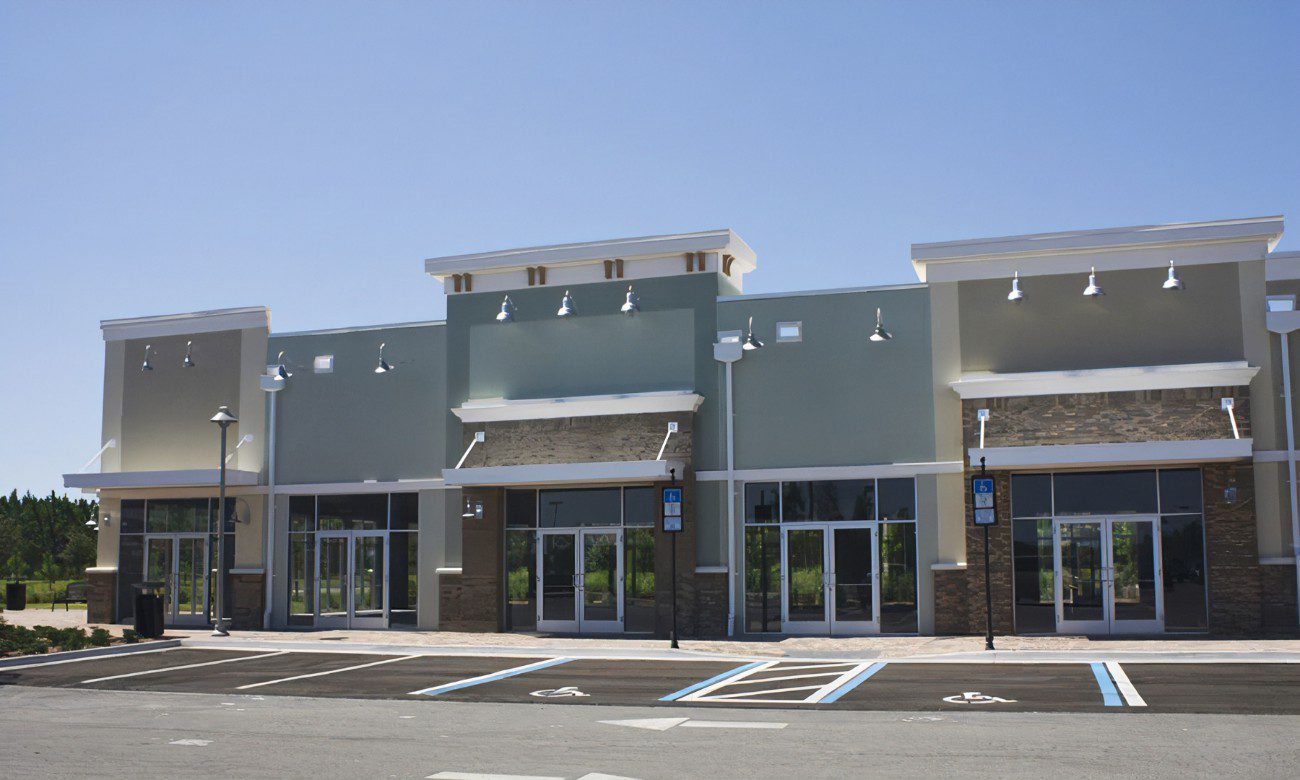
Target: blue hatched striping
706,683
857,680
1108,692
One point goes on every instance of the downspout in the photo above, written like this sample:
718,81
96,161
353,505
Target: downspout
272,382
728,353
1290,464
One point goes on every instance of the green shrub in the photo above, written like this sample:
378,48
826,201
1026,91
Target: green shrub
129,636
100,637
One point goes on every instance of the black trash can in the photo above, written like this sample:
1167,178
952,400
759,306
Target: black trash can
15,595
149,609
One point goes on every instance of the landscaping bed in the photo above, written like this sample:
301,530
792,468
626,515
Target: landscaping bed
39,640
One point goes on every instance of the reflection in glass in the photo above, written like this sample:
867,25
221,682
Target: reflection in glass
302,513
521,508
188,515
640,506
1035,584
844,499
1133,567
160,570
559,566
1031,495
1105,493
1180,491
853,599
639,579
521,581
762,504
404,511
331,593
1182,547
600,577
361,512
403,580
898,613
130,568
132,520
762,579
806,567
796,502
576,508
302,574
368,576
897,498
1082,580
190,578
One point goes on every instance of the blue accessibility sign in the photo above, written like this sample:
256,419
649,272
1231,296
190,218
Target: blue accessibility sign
981,489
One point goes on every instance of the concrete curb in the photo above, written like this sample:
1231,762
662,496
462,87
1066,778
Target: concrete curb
90,652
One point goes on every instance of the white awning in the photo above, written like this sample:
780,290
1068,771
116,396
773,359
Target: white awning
501,409
563,473
148,479
986,384
1137,453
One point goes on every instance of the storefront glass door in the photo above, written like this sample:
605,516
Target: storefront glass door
830,583
351,569
580,578
179,562
1108,576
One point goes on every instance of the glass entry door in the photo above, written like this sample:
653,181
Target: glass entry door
179,561
1108,576
580,579
351,569
830,582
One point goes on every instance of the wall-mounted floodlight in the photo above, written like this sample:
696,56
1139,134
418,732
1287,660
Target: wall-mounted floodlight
1173,282
280,371
1093,290
567,307
145,365
880,334
507,313
983,416
1016,295
188,362
632,305
384,367
750,343
90,523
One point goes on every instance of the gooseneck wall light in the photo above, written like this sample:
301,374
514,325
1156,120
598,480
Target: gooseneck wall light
751,343
1016,295
632,305
189,361
507,313
1172,282
1093,290
145,365
384,367
880,334
567,306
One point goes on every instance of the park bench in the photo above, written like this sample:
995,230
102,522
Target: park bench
75,593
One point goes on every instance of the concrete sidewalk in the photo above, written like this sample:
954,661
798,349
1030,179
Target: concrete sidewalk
936,648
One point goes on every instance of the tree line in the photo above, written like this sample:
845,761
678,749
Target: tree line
46,538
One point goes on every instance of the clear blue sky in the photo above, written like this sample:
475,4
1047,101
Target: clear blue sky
165,157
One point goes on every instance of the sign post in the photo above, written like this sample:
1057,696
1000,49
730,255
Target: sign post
672,525
985,515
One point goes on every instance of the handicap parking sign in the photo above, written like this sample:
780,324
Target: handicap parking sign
672,510
982,495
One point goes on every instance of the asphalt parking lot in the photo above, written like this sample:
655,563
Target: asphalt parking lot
1239,688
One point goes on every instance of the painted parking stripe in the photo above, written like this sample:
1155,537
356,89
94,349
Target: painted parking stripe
715,679
183,666
853,683
487,678
1108,693
331,671
1125,685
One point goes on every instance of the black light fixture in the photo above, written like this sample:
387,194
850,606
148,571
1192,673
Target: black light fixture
880,334
384,366
145,365
189,361
751,343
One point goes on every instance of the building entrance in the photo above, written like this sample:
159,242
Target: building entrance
830,583
580,579
180,562
351,569
1108,577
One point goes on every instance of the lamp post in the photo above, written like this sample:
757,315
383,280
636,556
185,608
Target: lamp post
223,418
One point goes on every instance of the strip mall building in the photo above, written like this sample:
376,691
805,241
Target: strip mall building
501,470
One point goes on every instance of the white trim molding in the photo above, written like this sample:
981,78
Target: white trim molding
148,479
1277,560
1133,453
563,473
350,488
501,410
1282,266
446,570
873,471
948,566
186,324
986,384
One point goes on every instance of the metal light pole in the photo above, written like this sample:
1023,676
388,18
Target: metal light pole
988,583
223,418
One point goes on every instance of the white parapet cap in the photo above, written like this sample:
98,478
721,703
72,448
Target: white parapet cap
564,473
1282,267
501,410
187,323
113,480
594,253
1131,453
987,384
1107,249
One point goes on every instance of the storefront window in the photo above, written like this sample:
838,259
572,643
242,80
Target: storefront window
1031,495
1035,586
639,577
1105,493
897,499
362,512
1180,491
1182,543
521,509
762,579
302,573
403,567
762,504
796,502
521,581
641,506
845,499
404,511
188,515
898,612
578,508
